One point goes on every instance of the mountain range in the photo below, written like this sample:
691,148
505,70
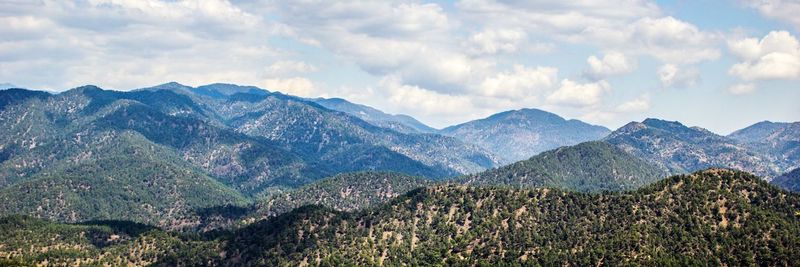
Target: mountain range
676,148
229,174
520,134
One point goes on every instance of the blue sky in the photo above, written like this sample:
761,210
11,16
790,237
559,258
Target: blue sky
722,65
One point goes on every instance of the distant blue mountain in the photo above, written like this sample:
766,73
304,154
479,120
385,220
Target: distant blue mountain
403,123
677,148
520,134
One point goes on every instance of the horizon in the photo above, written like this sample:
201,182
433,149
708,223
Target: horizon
605,63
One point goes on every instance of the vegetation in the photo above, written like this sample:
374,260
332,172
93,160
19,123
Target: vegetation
134,181
713,217
586,167
789,181
343,192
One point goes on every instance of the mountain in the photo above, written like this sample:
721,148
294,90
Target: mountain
789,181
132,180
711,217
401,123
520,134
27,241
343,192
339,139
676,148
7,86
781,141
586,167
16,95
38,134
247,138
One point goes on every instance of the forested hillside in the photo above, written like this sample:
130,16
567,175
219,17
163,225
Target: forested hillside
587,167
717,217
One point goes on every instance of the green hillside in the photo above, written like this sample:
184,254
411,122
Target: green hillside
133,180
586,167
712,217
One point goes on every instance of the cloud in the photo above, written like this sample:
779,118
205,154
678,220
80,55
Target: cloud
562,18
520,82
672,75
742,88
778,9
130,44
612,63
776,56
636,27
639,104
287,67
667,39
424,101
294,86
575,94
494,41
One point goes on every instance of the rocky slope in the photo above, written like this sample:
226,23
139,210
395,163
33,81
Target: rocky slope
779,141
676,148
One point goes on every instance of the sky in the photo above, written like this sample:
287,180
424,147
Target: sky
721,65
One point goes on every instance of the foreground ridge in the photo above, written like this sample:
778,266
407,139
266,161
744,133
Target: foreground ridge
714,216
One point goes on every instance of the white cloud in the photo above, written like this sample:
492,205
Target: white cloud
610,64
287,67
667,39
294,86
776,56
497,41
519,83
557,17
423,101
639,104
785,10
672,75
742,88
129,44
575,94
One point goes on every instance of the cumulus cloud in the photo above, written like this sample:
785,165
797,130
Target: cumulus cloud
129,44
638,104
672,75
424,101
576,94
520,82
610,64
785,10
776,56
666,38
496,41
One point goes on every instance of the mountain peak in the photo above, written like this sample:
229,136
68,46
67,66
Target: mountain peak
7,86
659,123
527,114
172,85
